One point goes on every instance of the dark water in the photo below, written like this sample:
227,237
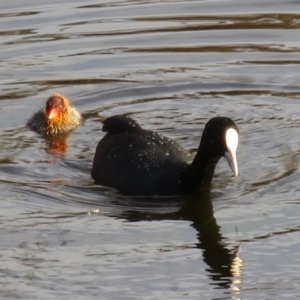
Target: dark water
172,65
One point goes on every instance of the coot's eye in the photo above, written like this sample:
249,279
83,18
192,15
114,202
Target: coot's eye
49,105
58,106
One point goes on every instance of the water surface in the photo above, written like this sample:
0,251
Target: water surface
172,65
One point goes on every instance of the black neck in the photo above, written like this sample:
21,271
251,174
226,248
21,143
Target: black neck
198,176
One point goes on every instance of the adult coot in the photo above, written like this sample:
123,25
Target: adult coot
137,161
56,118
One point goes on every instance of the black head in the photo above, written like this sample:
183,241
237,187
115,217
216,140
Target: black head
220,138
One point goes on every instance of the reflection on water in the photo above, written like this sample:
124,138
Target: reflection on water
224,266
172,65
57,146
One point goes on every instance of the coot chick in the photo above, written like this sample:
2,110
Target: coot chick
137,161
57,117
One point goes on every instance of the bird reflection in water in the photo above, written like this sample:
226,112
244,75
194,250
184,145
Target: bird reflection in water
224,265
56,145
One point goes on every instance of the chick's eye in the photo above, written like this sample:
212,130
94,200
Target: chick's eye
57,106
